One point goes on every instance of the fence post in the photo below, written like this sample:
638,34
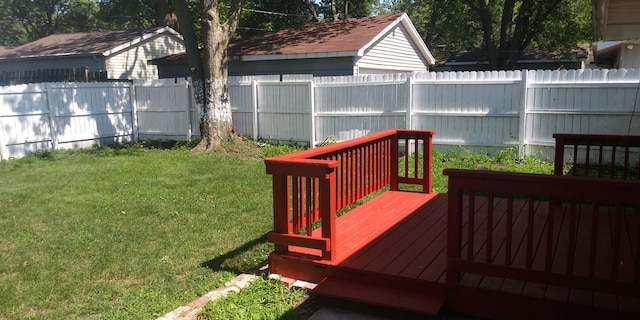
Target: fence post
523,114
187,87
409,123
134,110
53,117
254,107
312,115
4,153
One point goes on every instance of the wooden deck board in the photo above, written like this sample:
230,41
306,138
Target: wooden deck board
396,243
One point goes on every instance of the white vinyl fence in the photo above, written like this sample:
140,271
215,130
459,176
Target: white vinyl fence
480,111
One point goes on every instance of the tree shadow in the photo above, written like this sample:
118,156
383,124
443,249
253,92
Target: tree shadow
220,263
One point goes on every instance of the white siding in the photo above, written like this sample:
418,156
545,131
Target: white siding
395,52
133,62
630,55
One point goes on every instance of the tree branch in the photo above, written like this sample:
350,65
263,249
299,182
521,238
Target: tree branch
312,9
234,17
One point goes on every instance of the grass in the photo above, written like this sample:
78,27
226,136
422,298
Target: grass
127,232
264,299
135,231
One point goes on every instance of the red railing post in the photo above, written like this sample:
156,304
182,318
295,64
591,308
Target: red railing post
427,163
281,208
559,155
393,162
328,212
454,232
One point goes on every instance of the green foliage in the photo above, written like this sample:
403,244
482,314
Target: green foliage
272,149
32,20
447,26
505,160
450,26
571,24
261,16
263,299
126,14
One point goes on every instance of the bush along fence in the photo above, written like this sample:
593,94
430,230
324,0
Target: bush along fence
480,111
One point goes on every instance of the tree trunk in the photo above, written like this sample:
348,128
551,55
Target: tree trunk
216,125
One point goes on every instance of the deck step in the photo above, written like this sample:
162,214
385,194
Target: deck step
380,295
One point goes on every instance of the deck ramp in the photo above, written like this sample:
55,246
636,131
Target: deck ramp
380,295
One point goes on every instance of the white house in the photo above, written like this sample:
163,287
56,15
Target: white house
123,54
618,25
381,44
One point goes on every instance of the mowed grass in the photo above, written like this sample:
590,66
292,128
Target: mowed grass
134,232
124,233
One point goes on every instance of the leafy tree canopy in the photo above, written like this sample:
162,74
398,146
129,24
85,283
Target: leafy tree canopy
503,27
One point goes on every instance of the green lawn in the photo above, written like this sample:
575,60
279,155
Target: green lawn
134,232
127,233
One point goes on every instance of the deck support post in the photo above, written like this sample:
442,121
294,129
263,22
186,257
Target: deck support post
328,212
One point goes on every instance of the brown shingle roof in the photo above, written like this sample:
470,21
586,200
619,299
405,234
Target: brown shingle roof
76,43
339,36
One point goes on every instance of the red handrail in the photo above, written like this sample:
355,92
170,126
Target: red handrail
545,229
310,186
599,155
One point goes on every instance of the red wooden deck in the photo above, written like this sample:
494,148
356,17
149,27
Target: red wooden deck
404,242
498,245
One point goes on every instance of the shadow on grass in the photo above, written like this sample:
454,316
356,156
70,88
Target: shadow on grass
225,262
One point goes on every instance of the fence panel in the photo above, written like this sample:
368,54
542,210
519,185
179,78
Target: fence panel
90,113
24,120
579,102
284,111
164,109
241,95
351,107
478,110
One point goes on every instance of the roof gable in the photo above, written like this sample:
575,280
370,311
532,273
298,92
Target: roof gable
349,37
103,43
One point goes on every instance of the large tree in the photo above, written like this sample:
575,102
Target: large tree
501,28
209,66
508,28
28,20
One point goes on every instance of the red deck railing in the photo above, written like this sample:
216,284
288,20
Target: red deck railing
310,186
610,156
587,237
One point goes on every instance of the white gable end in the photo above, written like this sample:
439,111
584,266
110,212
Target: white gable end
395,52
133,61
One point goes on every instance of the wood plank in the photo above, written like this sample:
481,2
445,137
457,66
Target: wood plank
379,221
389,246
518,255
419,302
406,255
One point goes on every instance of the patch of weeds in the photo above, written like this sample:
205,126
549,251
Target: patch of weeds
269,149
263,299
